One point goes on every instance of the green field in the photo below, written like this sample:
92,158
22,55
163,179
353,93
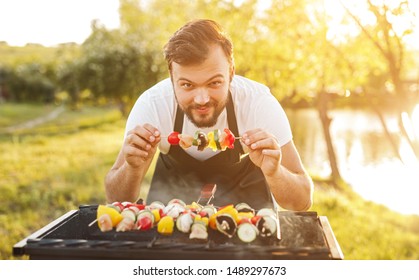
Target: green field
54,167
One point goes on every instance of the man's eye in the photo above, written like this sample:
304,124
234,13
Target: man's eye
186,85
215,84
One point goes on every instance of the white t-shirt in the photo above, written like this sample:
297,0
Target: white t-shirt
254,105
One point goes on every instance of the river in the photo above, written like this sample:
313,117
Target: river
365,157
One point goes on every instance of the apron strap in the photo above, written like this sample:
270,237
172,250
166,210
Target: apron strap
178,120
232,122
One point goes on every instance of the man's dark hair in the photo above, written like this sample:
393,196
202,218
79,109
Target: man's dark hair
190,44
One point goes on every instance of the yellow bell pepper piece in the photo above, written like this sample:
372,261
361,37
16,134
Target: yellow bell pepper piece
116,217
166,225
211,141
156,214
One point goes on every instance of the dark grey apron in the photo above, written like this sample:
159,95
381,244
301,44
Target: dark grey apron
178,175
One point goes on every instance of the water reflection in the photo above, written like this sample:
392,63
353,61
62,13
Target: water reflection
365,156
415,117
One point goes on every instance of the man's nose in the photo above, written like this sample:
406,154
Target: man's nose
201,96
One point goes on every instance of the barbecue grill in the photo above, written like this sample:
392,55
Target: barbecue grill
304,235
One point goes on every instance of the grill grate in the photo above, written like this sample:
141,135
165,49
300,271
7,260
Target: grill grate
72,238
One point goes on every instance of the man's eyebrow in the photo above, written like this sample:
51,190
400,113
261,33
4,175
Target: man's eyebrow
212,78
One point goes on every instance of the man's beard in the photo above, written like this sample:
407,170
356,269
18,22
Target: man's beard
207,121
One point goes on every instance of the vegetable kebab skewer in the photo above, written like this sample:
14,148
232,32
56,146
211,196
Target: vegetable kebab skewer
239,220
215,139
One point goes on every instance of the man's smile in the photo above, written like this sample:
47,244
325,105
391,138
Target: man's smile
202,110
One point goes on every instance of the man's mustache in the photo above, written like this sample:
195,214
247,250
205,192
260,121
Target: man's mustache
206,105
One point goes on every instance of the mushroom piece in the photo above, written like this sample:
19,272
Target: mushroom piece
266,226
226,224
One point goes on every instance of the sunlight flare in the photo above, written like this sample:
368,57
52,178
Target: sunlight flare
415,121
408,125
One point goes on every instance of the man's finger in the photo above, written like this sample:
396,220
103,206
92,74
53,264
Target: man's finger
154,131
272,153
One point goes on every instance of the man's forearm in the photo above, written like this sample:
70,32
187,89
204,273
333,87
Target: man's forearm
292,191
123,183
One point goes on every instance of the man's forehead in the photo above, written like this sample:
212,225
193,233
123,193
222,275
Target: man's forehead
215,64
199,73
199,79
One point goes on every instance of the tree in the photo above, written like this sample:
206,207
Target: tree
30,82
115,66
394,21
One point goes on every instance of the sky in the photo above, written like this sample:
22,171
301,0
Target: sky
51,22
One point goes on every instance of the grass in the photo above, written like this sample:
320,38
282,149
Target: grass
13,55
366,230
45,175
13,114
55,167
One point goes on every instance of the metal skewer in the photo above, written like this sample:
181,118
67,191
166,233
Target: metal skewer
207,193
237,137
278,229
93,222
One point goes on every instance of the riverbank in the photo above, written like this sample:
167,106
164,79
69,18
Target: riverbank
365,157
366,230
53,168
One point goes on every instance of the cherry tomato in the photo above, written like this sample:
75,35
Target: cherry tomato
244,220
173,138
255,219
144,223
139,206
229,138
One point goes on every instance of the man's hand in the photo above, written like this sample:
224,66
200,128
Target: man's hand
264,150
140,145
123,181
288,181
